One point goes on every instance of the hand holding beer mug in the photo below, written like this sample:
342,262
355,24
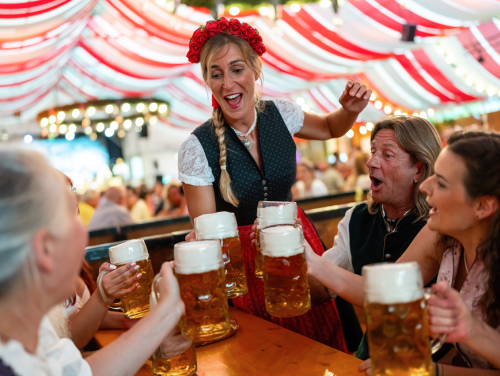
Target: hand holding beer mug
200,272
397,321
222,226
166,362
134,304
271,213
285,271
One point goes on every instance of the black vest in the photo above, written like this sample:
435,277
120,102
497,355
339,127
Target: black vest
250,184
367,233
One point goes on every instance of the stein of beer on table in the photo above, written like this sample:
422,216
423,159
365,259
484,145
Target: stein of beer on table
200,272
397,321
271,213
184,364
222,226
285,271
135,304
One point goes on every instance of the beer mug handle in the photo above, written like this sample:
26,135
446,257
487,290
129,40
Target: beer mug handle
437,342
113,305
155,293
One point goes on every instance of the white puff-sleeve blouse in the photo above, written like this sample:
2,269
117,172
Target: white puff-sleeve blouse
193,163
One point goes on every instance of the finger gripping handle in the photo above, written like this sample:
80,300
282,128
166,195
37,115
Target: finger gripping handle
110,303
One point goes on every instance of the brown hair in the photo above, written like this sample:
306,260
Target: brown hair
480,152
253,60
420,139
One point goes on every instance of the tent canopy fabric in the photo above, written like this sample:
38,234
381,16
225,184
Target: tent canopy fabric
57,52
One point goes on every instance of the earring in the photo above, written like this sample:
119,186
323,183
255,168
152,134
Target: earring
415,182
478,216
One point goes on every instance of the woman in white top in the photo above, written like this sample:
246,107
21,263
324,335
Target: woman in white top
307,184
42,242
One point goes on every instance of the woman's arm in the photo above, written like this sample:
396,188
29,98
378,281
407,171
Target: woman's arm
200,199
427,251
335,124
130,351
349,286
84,324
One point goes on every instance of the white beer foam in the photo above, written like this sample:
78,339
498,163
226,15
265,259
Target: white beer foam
281,241
219,225
197,257
132,250
277,215
392,283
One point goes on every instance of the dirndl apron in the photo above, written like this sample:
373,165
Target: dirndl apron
320,323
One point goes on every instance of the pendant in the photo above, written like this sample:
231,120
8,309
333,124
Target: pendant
247,143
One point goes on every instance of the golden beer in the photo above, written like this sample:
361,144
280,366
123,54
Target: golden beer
135,304
271,213
398,338
396,320
236,282
286,286
259,260
222,226
180,365
184,364
200,272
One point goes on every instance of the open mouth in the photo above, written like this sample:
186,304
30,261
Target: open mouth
233,100
376,183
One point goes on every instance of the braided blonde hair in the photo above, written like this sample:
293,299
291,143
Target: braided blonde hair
253,60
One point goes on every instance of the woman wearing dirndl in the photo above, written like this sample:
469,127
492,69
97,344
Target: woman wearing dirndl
245,154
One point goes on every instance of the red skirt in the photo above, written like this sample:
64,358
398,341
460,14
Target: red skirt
320,323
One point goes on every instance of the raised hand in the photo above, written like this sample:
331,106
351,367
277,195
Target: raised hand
355,97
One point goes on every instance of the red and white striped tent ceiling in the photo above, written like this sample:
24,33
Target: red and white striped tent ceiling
57,52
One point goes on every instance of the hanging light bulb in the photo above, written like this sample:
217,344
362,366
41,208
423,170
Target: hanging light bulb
125,107
325,3
423,115
62,128
88,130
44,122
61,115
387,109
52,119
153,107
350,133
53,128
378,105
373,97
72,128
99,127
109,132
91,111
337,21
369,126
264,11
140,107
162,109
397,112
75,113
114,125
234,11
27,139
127,123
362,129
430,111
295,7
139,122
70,136
109,108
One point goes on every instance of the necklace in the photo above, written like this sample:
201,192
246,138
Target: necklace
247,142
465,262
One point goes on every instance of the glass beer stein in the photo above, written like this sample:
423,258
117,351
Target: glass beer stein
184,364
135,304
271,213
285,271
200,271
396,320
222,226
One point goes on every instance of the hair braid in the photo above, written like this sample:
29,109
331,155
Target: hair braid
225,180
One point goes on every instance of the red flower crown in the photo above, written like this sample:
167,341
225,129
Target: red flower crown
223,26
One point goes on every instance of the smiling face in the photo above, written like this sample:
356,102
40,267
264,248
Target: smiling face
452,210
232,82
392,171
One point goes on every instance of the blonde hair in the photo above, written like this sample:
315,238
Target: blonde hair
214,45
420,139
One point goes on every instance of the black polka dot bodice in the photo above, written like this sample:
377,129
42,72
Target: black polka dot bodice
250,183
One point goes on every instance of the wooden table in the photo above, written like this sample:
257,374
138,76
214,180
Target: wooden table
261,348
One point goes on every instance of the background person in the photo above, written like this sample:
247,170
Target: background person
262,161
333,179
307,184
139,210
112,212
359,177
88,202
42,243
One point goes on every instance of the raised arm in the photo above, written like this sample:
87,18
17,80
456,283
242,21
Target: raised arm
335,124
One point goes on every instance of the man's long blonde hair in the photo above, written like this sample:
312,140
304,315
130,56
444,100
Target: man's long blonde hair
214,45
420,139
